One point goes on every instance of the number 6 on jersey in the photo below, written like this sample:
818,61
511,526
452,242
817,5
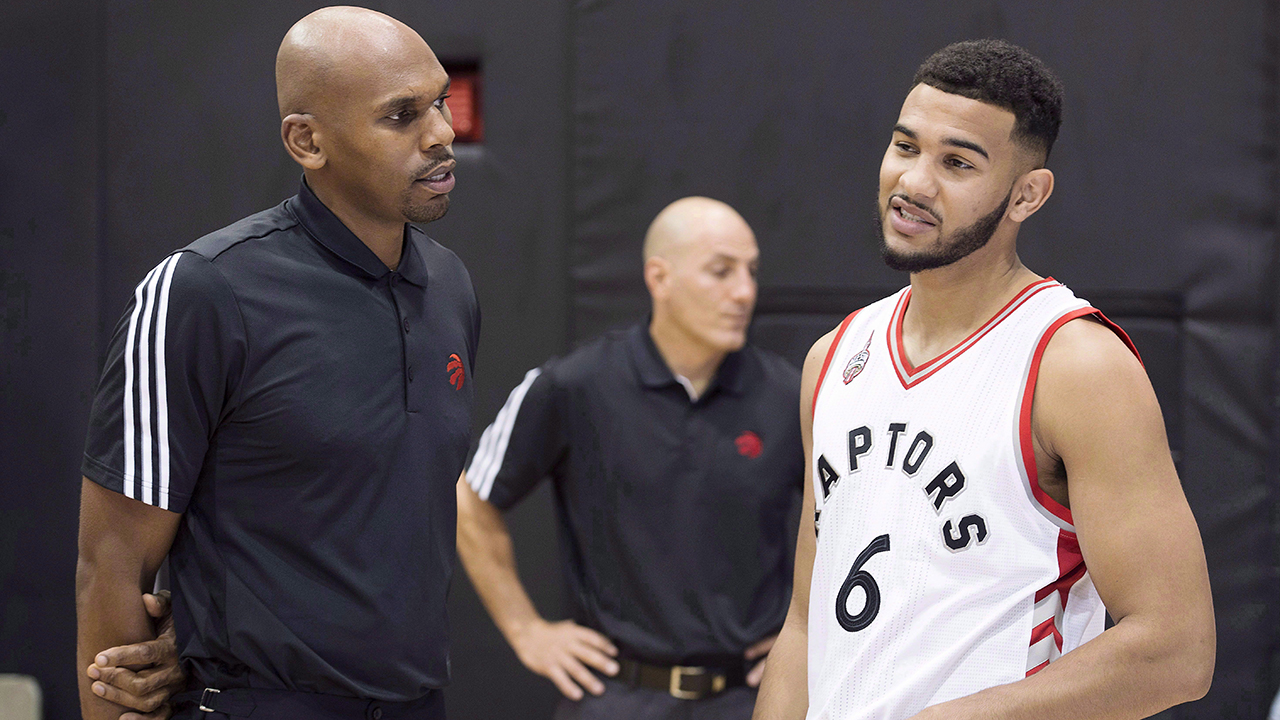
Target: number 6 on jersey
861,578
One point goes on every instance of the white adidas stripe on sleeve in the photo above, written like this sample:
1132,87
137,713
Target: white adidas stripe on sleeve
493,442
148,344
162,388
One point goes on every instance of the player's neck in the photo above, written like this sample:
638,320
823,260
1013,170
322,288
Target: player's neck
385,238
685,358
949,304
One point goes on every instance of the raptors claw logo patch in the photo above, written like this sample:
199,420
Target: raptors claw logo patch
457,373
859,361
749,445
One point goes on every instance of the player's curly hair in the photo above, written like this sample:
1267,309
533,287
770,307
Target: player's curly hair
1005,75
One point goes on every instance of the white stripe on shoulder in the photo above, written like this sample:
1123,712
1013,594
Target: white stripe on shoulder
488,451
493,442
130,391
139,480
162,392
146,477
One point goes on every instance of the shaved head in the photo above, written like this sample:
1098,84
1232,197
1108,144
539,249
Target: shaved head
362,110
687,221
700,260
335,49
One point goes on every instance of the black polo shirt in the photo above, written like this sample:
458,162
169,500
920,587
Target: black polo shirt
674,513
308,411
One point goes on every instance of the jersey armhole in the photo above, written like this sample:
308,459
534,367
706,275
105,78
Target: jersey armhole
831,353
1054,510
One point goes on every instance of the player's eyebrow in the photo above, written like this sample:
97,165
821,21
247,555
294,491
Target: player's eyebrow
957,142
954,142
402,101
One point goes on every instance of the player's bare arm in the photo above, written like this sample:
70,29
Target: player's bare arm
561,651
784,691
143,676
1095,418
122,543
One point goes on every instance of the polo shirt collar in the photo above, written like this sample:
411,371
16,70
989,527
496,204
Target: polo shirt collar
654,373
326,229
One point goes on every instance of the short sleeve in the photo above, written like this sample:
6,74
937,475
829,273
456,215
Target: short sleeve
521,446
169,376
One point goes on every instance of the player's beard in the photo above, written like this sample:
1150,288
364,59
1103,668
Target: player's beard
420,212
424,212
947,249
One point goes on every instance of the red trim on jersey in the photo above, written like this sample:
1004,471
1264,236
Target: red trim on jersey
915,375
1044,630
1028,395
831,353
1071,569
1124,336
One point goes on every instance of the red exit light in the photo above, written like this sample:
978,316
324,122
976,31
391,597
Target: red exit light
465,102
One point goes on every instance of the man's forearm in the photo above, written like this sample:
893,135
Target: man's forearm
784,692
484,545
121,545
1133,670
109,612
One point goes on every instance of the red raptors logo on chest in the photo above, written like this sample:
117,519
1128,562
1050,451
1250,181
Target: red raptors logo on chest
749,445
457,373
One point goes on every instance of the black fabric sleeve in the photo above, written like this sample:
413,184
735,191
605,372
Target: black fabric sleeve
169,376
522,445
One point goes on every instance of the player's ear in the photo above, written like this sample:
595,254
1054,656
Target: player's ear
302,138
656,273
1030,193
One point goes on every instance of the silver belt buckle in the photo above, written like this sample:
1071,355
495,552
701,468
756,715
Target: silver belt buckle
207,698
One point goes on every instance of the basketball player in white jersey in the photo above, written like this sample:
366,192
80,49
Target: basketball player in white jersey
988,463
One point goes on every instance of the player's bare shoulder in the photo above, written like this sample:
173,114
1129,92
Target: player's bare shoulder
818,352
812,372
1088,358
1092,385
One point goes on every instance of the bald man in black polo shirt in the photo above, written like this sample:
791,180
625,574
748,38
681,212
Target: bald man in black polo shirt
285,409
675,452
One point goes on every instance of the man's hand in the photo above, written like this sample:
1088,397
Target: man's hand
561,652
759,650
145,675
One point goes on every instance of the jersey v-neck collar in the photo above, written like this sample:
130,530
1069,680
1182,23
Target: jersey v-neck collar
910,375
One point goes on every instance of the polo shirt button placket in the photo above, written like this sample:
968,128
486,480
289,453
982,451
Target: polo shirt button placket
374,712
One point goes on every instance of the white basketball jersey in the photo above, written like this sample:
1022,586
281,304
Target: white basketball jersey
942,568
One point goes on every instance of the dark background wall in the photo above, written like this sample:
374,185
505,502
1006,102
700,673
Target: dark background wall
128,128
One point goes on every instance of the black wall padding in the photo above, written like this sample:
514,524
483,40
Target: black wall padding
1166,188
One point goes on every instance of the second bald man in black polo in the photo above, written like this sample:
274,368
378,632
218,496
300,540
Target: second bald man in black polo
675,453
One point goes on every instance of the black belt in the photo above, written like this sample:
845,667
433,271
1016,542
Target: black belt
686,682
260,704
